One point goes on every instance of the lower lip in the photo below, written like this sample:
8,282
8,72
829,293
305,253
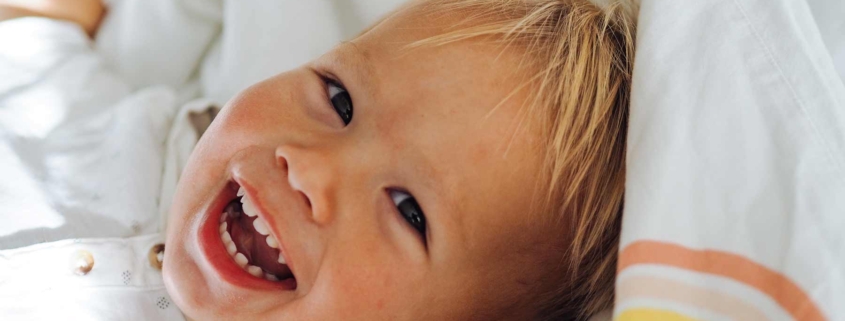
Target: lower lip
218,258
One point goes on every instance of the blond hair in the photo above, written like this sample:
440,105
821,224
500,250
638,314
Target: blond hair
580,59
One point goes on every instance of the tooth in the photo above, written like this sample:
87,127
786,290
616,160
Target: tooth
282,258
260,226
241,191
223,227
240,258
231,248
226,237
248,209
270,277
271,241
224,217
255,271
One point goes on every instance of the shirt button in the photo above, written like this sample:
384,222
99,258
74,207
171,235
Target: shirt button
82,262
156,256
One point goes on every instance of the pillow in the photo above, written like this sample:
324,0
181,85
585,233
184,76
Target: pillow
736,166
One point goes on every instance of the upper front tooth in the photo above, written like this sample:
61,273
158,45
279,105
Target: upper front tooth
260,226
241,191
248,208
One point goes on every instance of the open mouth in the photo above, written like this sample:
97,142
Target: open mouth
248,240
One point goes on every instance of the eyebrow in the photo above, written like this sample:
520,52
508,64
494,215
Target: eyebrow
353,58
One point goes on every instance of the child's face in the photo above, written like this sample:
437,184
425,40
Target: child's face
423,123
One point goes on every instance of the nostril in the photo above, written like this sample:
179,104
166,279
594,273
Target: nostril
282,162
307,200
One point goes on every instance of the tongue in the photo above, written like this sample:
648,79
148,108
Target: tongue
254,246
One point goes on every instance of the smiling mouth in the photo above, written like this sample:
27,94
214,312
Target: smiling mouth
248,241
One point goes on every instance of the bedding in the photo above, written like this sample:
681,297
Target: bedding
735,189
828,17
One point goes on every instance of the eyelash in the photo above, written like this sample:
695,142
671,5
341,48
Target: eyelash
415,217
340,100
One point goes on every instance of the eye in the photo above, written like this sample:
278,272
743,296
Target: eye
410,210
341,101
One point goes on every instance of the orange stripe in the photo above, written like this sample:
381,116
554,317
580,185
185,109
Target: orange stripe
777,286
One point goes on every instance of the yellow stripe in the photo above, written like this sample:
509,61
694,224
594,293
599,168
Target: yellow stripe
727,305
642,314
774,284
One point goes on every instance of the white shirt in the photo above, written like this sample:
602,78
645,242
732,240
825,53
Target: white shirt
82,158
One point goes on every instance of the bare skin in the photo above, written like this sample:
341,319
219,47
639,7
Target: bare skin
423,122
86,13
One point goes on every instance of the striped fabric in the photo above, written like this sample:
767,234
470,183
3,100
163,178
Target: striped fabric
735,195
664,281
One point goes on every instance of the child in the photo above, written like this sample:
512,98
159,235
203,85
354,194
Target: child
460,160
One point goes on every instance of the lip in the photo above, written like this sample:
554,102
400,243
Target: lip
214,251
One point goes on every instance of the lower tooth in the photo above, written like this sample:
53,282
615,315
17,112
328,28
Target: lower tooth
255,271
231,248
241,259
226,237
270,277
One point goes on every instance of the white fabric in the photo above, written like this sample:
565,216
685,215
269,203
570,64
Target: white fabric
829,15
80,154
737,145
39,282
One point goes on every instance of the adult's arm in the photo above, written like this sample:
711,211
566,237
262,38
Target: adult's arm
85,13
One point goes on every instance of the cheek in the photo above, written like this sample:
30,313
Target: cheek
368,283
248,120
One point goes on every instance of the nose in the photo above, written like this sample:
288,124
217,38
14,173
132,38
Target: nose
315,174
